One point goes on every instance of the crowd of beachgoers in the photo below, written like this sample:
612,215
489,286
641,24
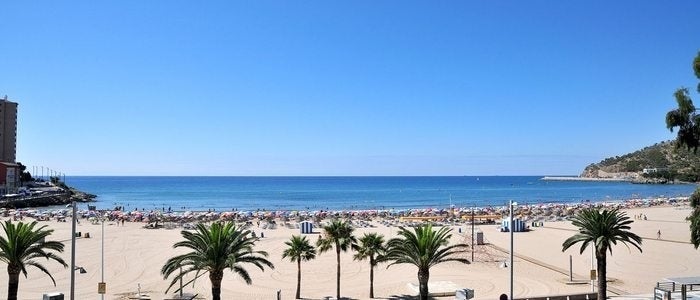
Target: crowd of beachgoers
135,254
525,212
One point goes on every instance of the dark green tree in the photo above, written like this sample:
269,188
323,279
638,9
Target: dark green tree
602,229
424,248
24,176
213,249
688,122
20,246
299,249
694,218
686,119
337,235
370,247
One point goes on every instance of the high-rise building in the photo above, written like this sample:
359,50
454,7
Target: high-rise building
8,130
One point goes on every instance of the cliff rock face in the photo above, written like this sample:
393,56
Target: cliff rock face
660,160
591,171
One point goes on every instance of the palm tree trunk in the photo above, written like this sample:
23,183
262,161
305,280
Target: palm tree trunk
13,283
371,281
337,290
602,276
423,277
298,295
216,277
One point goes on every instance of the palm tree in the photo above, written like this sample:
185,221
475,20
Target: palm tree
337,235
299,250
424,247
687,120
19,247
371,247
215,248
602,229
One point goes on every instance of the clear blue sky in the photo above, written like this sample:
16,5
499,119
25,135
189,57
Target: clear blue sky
331,88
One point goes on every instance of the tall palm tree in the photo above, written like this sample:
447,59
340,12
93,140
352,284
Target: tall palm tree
336,235
687,120
371,246
602,229
299,249
215,248
424,248
19,248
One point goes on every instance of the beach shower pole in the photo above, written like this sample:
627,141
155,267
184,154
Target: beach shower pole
510,228
571,269
72,253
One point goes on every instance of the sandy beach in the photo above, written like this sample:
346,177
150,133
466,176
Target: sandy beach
134,255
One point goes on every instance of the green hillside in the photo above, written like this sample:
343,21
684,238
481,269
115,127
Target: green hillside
671,163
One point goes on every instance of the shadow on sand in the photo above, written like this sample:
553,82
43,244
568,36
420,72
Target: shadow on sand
407,297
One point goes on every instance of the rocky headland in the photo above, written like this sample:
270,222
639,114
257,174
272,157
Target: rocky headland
39,194
660,163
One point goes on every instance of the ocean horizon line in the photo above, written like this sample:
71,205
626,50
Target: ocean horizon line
323,176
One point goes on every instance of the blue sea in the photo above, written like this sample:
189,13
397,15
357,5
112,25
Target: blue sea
335,193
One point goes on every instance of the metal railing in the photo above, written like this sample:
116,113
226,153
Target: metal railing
673,287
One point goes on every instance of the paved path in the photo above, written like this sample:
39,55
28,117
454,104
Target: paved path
611,288
643,237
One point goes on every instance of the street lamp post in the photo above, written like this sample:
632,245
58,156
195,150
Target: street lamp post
72,254
102,295
473,235
511,226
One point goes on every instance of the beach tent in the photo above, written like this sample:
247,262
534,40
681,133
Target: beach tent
306,227
518,225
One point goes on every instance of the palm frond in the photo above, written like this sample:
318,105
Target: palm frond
604,229
214,248
423,247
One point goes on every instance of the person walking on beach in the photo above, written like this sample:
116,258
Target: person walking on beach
658,235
